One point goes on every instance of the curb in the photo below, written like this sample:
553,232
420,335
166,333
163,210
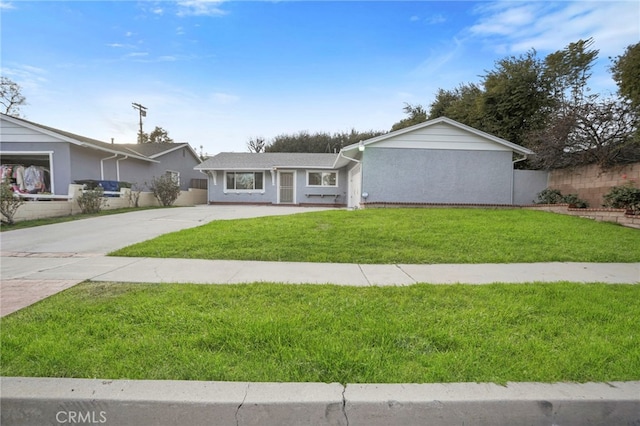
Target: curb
36,401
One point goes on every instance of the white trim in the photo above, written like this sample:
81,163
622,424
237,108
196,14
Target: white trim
295,176
52,186
500,141
225,190
321,171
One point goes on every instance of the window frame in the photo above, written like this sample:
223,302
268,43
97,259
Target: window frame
242,190
335,172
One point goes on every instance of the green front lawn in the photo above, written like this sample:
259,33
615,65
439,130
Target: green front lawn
402,236
274,332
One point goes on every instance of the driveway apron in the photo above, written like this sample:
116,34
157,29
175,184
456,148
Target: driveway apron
38,262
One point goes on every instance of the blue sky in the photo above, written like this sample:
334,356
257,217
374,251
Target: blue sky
216,74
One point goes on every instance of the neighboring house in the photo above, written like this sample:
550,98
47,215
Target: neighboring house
65,158
440,161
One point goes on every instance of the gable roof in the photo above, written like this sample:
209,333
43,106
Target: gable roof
147,152
154,150
351,151
268,161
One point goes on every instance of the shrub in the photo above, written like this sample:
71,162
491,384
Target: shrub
134,194
9,203
165,189
549,196
625,196
554,196
92,201
573,200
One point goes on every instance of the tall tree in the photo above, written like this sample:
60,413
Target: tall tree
11,96
567,72
626,73
416,115
516,98
256,145
599,132
157,135
463,104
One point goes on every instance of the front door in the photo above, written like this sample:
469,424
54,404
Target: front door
286,190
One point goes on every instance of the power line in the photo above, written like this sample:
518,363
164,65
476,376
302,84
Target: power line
143,113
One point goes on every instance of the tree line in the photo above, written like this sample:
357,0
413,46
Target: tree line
546,104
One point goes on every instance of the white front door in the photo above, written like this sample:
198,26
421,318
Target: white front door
286,187
355,187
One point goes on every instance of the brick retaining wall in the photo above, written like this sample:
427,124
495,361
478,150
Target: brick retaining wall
601,215
590,182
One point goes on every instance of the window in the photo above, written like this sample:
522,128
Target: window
245,181
175,176
322,179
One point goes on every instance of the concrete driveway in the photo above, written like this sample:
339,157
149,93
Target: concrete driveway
39,262
101,235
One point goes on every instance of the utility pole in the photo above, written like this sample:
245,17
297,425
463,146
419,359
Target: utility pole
143,113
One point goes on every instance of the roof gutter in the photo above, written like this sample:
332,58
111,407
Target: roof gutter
118,166
341,154
102,165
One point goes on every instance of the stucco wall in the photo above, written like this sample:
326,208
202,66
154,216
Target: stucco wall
303,193
437,176
527,184
591,183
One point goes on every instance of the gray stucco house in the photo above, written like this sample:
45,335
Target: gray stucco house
437,162
66,157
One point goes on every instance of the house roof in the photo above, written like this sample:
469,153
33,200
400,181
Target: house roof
352,150
147,152
267,161
154,150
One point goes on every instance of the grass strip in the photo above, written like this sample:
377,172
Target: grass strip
416,236
323,333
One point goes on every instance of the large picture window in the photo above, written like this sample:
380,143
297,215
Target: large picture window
245,181
322,179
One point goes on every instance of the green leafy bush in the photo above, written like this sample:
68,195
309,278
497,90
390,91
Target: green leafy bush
625,196
165,189
573,200
554,196
549,196
9,203
92,201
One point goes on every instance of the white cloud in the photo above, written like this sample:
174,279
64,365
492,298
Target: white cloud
137,54
515,27
6,5
436,19
200,8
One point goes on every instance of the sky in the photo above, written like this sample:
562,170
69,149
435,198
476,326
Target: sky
219,73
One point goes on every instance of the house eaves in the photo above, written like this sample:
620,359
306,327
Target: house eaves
268,161
77,139
512,146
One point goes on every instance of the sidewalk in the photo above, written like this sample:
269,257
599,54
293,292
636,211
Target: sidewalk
22,284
